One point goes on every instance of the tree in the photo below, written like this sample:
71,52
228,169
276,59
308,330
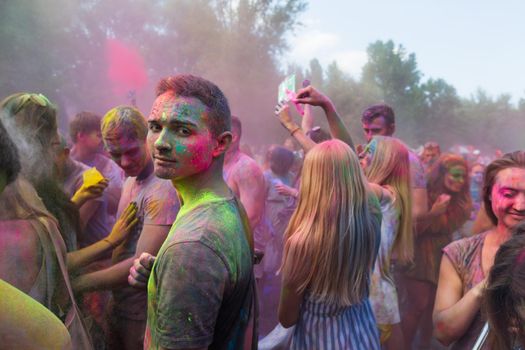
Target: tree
236,44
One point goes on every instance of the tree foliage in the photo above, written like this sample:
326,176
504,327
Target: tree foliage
425,109
60,48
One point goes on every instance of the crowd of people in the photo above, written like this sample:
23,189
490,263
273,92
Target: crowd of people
166,231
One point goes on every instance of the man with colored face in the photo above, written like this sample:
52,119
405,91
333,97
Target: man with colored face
84,131
380,120
200,291
124,131
431,152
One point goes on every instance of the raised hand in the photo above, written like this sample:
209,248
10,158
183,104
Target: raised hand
85,193
282,111
440,205
286,190
311,96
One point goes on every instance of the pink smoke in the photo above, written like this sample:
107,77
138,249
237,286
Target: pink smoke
126,69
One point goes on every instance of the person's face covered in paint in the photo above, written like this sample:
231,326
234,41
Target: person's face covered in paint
129,153
179,138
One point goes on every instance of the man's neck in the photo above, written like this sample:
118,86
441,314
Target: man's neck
202,188
146,171
82,154
232,155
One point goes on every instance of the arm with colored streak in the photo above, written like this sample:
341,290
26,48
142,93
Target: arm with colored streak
150,241
82,257
454,312
290,300
307,121
282,111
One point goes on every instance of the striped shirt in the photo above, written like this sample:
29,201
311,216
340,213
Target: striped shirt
332,327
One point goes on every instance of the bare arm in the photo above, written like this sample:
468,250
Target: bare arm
307,121
454,312
311,96
282,111
290,300
383,193
434,215
82,257
27,324
419,203
289,306
252,192
150,241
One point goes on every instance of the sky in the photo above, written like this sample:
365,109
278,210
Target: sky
469,44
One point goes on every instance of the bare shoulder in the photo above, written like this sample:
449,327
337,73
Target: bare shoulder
246,163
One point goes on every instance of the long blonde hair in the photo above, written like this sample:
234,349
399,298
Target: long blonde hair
391,166
332,237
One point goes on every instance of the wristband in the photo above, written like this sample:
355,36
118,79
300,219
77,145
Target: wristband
295,130
109,242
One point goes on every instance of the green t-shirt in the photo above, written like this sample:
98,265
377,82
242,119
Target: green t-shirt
201,287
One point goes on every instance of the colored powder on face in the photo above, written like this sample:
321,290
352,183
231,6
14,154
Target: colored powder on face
123,123
457,173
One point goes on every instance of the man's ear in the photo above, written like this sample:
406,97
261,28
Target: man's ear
80,135
224,141
392,128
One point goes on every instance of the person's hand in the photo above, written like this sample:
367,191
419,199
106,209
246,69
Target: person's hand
85,193
282,111
123,225
140,271
286,190
440,205
311,96
479,288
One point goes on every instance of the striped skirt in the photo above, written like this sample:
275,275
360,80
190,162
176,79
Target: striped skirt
333,327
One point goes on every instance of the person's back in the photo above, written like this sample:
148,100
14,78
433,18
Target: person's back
327,262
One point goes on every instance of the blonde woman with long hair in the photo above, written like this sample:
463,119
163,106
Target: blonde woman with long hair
386,163
331,244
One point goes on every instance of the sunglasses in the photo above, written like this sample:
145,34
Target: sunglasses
38,99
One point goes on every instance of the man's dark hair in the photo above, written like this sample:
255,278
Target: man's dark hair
187,85
84,122
318,134
379,110
9,161
281,160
